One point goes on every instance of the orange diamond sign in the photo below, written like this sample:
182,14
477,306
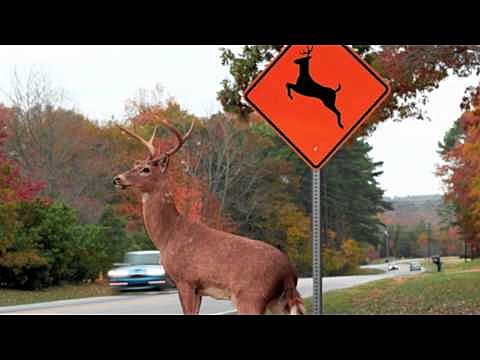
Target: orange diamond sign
315,97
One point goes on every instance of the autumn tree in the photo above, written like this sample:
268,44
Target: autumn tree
461,170
193,195
293,225
450,242
41,241
60,146
14,188
237,166
423,241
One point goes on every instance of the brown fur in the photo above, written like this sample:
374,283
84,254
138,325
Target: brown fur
204,261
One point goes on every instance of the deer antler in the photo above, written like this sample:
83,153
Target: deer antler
181,139
309,51
148,144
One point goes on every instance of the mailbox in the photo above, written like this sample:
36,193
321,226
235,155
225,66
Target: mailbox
437,261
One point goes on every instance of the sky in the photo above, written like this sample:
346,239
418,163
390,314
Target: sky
99,79
409,148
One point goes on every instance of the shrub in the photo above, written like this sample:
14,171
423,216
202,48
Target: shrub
333,262
50,246
353,255
347,258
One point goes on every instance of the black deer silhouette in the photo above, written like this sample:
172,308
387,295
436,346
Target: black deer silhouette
308,87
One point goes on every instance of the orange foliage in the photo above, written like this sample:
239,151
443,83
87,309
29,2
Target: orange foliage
191,194
462,173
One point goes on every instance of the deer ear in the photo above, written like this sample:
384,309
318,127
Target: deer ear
162,162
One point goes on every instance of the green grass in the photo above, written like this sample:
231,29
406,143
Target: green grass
19,297
453,291
382,261
452,264
360,271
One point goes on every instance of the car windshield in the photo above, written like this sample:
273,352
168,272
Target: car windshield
142,259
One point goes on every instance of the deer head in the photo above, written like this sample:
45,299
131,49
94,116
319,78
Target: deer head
307,55
147,174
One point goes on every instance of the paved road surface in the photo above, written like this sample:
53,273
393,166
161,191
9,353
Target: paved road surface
168,302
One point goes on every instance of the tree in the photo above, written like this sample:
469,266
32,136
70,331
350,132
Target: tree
14,188
451,138
343,260
192,192
50,247
353,254
423,241
60,146
294,226
13,185
237,165
115,235
450,242
243,68
461,172
351,195
400,242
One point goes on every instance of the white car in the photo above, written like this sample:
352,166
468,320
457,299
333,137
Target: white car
140,271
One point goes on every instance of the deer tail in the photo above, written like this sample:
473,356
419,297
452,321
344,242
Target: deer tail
295,305
339,87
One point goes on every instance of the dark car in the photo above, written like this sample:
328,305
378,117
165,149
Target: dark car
141,270
414,266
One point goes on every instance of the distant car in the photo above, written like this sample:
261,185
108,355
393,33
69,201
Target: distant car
415,267
393,267
141,270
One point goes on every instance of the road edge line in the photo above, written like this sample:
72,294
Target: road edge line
229,312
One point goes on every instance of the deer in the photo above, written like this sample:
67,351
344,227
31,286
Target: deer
202,261
306,86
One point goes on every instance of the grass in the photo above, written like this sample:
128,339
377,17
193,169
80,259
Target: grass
382,261
360,271
456,290
452,264
66,292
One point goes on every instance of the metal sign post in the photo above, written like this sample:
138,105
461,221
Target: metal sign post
316,244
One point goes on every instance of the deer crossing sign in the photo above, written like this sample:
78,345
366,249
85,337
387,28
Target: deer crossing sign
316,97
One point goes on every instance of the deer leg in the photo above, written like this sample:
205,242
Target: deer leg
289,90
336,112
198,302
339,117
188,299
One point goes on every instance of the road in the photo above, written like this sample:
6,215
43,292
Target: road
163,303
